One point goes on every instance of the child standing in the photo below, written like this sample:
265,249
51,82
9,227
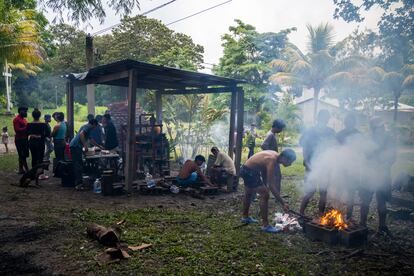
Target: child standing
5,138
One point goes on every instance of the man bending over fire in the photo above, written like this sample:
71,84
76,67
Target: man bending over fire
191,173
260,175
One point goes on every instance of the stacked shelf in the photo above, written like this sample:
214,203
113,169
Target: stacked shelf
152,147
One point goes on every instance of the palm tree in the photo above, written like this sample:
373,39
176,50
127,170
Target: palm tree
374,80
398,82
19,41
359,86
309,70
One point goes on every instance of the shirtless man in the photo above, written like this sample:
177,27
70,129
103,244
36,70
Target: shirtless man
191,172
260,175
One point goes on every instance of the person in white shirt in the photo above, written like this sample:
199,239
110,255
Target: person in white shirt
223,167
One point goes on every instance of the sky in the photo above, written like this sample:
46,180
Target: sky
207,28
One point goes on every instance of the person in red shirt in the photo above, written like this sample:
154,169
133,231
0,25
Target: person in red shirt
20,139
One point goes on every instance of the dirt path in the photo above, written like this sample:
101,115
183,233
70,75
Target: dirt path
11,146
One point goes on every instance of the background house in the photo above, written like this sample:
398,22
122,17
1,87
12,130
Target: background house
305,105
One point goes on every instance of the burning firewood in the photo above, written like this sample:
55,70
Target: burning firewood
333,218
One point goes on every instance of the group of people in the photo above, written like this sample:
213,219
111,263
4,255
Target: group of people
261,172
367,171
38,138
191,174
100,132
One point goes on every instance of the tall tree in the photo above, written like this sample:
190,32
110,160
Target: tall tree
358,87
397,82
247,54
83,10
149,40
311,70
138,38
395,24
70,49
19,41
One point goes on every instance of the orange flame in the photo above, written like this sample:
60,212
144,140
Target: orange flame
333,218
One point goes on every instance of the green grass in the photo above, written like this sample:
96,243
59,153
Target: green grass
81,111
194,242
203,240
296,169
404,164
8,162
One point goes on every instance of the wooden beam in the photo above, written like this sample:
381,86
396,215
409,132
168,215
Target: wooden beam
239,140
103,79
130,137
70,108
199,91
232,121
90,88
158,106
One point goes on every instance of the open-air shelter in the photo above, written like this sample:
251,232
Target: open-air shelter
164,81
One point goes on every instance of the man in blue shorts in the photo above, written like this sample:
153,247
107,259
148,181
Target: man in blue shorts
260,175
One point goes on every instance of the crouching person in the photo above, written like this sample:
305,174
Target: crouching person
223,171
260,174
191,174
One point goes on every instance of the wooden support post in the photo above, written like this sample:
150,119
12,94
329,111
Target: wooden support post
232,121
239,140
90,88
158,106
130,137
69,108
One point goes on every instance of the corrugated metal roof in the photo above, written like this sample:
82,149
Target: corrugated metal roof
151,76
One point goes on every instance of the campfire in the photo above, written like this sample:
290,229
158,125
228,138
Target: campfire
333,218
331,228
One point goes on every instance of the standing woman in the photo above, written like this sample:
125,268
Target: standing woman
37,133
59,135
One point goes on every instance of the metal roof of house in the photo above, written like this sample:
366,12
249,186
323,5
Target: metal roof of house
150,76
308,96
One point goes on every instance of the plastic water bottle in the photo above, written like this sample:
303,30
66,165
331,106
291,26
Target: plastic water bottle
97,187
174,189
150,182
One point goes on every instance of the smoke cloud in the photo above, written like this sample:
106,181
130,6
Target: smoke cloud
346,167
219,134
